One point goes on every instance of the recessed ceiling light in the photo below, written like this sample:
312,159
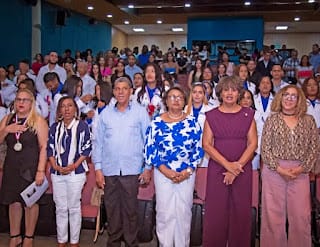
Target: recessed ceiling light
281,27
247,3
187,5
138,29
311,1
126,22
159,22
298,2
90,7
297,19
130,6
159,7
109,15
177,29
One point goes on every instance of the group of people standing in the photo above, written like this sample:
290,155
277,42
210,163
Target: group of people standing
220,125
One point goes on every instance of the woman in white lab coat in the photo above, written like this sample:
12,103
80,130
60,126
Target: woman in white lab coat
262,102
311,90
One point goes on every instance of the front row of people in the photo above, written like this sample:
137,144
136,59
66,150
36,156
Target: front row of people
172,145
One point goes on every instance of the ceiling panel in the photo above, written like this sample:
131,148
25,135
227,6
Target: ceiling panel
172,13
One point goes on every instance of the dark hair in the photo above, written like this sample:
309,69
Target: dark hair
305,85
308,62
70,86
195,70
168,77
39,54
159,83
25,61
29,85
257,87
58,113
242,93
105,92
165,96
50,76
99,72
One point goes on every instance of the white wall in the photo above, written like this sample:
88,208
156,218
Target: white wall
301,41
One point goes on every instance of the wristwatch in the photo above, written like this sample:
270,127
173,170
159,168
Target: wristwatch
190,171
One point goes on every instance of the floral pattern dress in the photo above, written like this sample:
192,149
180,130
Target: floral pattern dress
176,145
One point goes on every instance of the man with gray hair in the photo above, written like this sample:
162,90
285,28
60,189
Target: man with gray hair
118,159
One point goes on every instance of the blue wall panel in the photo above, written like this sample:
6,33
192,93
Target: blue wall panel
77,34
15,40
226,29
16,29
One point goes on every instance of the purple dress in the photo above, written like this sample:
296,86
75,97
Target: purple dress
227,218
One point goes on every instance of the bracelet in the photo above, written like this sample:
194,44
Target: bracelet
40,171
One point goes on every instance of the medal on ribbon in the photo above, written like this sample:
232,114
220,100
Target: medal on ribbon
18,146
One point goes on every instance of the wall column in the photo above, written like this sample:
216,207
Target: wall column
36,30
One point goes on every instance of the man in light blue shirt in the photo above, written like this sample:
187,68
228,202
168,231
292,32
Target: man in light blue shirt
132,68
118,158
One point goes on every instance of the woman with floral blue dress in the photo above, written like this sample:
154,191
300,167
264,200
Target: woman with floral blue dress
173,147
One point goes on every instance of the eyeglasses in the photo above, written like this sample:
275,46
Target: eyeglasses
292,97
22,100
176,97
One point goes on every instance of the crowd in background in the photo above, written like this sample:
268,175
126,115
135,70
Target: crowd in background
225,101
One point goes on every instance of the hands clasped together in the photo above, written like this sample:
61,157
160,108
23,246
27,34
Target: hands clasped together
174,176
289,173
233,170
65,170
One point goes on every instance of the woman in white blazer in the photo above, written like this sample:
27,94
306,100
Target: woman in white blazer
262,101
197,107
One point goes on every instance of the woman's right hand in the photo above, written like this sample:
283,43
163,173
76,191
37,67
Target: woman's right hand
169,173
285,173
234,167
15,128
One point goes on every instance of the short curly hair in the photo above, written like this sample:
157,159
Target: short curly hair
226,83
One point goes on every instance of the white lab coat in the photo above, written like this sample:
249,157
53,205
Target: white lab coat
314,111
260,117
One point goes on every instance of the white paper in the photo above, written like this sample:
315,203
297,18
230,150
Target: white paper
33,192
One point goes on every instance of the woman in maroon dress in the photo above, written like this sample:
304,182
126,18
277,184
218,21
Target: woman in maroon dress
230,139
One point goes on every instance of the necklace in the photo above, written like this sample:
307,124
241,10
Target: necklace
175,117
288,114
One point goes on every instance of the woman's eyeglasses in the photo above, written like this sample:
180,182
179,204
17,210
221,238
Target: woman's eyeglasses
292,97
175,97
22,100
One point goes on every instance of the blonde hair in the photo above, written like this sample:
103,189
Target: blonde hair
301,107
190,101
32,118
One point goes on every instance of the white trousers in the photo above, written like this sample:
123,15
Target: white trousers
173,210
67,197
